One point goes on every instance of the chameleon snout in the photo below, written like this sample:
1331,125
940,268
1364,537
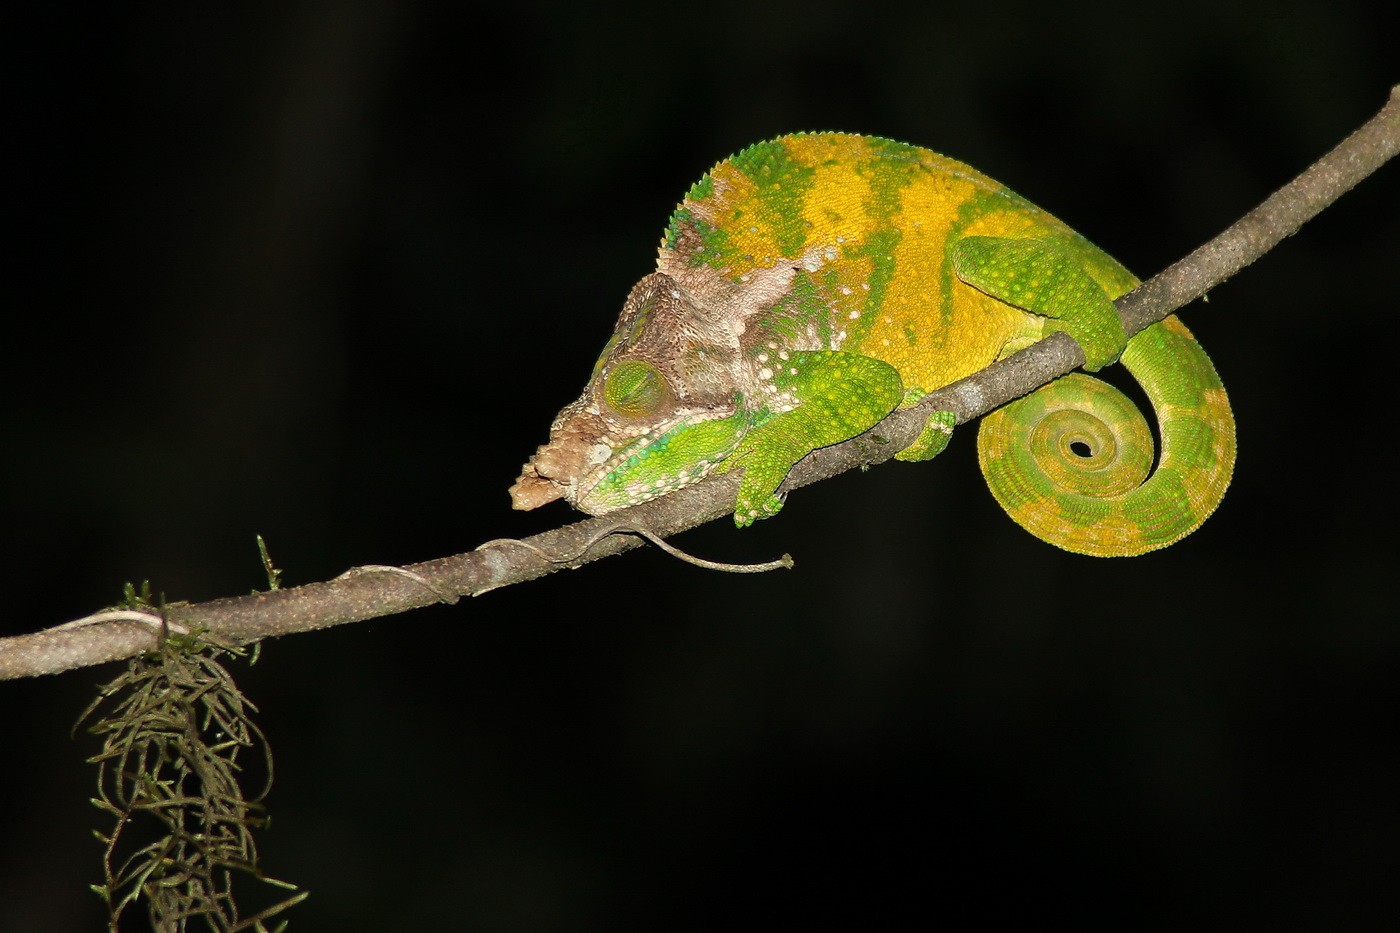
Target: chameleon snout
557,467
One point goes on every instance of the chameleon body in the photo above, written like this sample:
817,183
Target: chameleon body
811,284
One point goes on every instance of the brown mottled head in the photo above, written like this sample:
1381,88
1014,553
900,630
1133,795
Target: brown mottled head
670,367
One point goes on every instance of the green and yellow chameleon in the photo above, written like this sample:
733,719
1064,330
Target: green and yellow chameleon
809,285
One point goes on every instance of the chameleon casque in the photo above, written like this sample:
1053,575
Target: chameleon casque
811,284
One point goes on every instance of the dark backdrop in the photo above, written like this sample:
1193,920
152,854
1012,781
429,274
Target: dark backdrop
325,272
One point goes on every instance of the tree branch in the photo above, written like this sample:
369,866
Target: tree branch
370,592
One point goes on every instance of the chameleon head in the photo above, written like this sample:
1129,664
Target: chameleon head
659,412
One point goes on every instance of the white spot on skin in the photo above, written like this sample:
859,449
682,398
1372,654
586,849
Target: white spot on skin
765,374
854,315
762,357
845,289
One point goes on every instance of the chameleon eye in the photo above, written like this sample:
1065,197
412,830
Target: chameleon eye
633,388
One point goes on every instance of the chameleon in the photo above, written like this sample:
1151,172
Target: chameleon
809,285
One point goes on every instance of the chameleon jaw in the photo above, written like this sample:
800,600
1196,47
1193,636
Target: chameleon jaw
554,470
531,490
598,475
572,466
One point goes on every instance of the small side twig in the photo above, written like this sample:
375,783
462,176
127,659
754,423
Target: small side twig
783,563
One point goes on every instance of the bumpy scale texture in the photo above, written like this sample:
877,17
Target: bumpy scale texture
809,285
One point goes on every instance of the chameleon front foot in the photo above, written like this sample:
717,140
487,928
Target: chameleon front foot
932,440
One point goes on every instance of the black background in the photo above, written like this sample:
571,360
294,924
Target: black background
325,272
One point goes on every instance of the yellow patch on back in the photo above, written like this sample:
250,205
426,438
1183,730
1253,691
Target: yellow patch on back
834,210
907,331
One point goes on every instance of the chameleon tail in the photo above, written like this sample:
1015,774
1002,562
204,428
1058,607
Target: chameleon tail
1070,462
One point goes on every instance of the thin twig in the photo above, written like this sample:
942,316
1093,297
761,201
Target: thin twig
617,528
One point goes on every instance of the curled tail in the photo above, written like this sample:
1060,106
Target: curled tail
1070,462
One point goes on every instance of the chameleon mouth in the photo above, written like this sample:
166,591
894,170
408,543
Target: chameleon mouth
553,472
531,490
600,467
575,465
658,462
598,477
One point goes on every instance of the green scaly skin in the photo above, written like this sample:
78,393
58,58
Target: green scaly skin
809,285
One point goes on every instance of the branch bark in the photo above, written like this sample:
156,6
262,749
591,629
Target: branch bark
371,592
